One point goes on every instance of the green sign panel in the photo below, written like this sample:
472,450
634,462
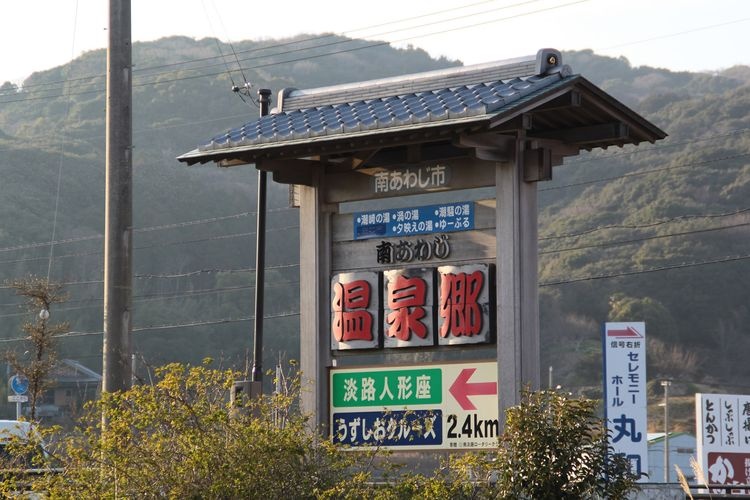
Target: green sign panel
383,388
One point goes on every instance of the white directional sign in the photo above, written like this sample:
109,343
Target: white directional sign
18,398
421,407
625,391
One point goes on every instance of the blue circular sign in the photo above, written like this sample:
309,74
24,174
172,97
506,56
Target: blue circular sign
19,384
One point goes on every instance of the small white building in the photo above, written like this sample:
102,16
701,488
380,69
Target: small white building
681,448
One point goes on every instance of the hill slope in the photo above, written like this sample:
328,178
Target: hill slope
655,233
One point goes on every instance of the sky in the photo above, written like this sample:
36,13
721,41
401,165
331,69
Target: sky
692,35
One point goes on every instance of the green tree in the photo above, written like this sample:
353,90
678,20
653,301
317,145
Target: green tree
181,438
553,447
556,447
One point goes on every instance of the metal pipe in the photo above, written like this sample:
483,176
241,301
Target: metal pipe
264,99
666,384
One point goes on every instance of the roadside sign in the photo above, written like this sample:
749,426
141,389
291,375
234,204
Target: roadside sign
723,435
412,221
625,392
19,384
18,398
420,407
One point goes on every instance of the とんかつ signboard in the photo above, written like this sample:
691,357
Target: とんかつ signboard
625,391
452,406
723,432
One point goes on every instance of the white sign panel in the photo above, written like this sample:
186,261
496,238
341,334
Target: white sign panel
419,407
625,391
723,432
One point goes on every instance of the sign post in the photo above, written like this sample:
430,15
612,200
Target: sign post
19,385
625,391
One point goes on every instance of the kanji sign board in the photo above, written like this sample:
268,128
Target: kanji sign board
420,407
625,391
723,435
447,217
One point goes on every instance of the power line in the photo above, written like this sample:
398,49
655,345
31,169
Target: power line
146,229
679,218
292,42
211,271
164,327
620,274
316,56
645,238
641,149
685,32
154,297
645,172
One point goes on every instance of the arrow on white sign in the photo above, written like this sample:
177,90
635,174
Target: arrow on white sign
628,332
461,389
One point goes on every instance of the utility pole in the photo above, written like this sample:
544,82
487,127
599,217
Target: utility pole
118,241
666,384
264,100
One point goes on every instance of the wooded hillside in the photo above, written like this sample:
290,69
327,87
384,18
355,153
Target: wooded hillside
655,233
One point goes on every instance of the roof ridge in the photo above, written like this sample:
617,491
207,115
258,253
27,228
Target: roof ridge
294,99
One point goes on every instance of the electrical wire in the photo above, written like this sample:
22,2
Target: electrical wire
661,146
62,151
620,243
156,297
164,327
619,274
174,225
644,172
316,56
646,225
293,42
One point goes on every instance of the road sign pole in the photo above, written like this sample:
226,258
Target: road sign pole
18,410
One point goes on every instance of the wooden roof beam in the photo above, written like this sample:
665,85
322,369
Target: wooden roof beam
604,132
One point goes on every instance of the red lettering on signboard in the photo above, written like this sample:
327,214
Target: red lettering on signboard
458,305
406,299
351,321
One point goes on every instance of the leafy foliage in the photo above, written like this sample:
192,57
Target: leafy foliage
553,447
181,438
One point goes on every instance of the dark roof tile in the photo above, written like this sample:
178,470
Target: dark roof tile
382,113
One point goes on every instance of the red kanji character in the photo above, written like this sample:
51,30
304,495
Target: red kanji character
351,321
458,304
406,298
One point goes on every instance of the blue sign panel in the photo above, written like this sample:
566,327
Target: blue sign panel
443,218
19,384
388,428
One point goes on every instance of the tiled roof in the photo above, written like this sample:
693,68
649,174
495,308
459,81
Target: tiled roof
431,106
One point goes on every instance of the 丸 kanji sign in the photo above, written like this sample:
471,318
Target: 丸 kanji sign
625,391
416,407
723,437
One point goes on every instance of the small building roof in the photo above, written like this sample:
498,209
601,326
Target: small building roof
68,371
536,93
